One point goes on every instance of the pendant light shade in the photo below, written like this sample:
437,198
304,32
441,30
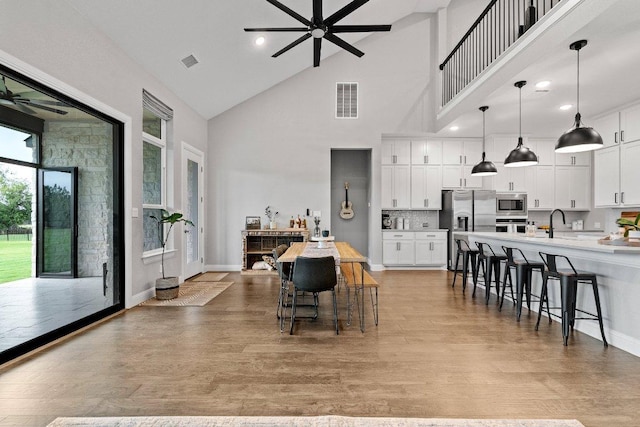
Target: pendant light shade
521,155
579,137
485,167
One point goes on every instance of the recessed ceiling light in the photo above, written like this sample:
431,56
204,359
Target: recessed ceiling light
543,84
454,128
259,41
566,107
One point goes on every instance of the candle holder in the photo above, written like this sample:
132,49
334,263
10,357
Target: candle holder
316,230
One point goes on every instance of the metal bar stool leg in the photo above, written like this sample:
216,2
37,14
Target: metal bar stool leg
543,296
567,295
455,269
596,295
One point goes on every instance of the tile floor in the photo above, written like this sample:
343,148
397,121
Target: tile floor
32,307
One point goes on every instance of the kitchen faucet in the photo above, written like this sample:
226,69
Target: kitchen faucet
551,221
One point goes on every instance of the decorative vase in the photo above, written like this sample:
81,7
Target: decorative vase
273,225
167,288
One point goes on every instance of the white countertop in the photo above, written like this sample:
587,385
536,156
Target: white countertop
586,244
414,230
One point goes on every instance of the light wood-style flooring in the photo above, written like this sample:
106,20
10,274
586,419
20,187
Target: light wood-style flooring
435,353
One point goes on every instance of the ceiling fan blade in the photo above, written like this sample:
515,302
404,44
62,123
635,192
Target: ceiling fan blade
3,87
45,102
355,4
317,11
289,46
343,44
290,12
317,47
24,108
358,28
26,102
282,29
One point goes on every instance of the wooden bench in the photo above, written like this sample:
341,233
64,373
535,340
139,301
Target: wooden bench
356,277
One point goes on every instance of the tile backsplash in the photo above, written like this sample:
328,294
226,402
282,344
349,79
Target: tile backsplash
416,219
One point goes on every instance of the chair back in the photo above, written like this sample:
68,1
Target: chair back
481,247
283,268
509,252
314,274
462,245
551,262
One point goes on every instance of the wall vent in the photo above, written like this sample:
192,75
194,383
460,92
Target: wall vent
346,100
189,61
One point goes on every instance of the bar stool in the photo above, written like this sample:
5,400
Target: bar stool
524,275
569,280
490,262
468,257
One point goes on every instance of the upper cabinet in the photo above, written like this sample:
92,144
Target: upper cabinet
461,152
396,152
574,159
426,152
544,148
619,127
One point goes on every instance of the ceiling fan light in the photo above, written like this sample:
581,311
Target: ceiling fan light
317,33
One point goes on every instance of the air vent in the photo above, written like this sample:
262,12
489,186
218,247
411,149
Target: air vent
189,61
346,100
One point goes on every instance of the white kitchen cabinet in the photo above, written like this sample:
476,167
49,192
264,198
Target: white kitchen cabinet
396,187
498,147
573,159
540,182
427,152
616,175
509,180
462,152
398,248
459,177
544,148
431,248
630,124
609,128
630,174
426,186
606,191
396,152
573,188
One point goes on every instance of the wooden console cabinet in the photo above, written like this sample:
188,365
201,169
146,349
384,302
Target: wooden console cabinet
256,243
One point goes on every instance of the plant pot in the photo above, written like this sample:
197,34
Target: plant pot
634,234
273,225
167,288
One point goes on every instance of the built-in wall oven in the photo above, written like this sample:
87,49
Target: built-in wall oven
511,205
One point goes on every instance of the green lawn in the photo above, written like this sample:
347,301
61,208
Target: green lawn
15,260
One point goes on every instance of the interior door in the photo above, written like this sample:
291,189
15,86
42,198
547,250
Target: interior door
57,244
193,202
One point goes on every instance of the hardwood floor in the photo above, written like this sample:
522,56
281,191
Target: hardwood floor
435,353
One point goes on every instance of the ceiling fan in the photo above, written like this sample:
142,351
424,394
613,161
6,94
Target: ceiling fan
26,105
319,28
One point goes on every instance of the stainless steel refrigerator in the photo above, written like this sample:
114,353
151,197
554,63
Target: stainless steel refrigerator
466,210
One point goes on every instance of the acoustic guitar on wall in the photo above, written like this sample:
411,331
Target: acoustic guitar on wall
347,207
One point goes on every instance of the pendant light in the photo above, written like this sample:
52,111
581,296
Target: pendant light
521,155
485,167
579,137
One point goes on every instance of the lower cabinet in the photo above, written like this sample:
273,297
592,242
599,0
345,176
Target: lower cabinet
414,248
398,248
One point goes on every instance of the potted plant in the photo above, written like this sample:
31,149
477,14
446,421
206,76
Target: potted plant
167,287
632,227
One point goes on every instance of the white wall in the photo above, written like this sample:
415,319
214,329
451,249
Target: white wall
52,39
461,14
275,148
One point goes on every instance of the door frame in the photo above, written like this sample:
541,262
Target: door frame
191,153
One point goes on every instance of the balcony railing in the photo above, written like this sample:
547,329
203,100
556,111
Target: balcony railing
497,28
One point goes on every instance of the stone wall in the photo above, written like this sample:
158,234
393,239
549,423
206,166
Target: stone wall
87,145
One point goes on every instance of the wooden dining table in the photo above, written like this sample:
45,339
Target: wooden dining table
346,254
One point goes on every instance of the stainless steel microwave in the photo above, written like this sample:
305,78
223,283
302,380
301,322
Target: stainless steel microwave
511,205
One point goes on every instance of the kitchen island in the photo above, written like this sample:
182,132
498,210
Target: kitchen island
617,268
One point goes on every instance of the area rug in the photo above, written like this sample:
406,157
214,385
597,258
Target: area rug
209,277
192,294
321,421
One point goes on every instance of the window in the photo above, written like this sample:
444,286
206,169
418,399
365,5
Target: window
154,169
